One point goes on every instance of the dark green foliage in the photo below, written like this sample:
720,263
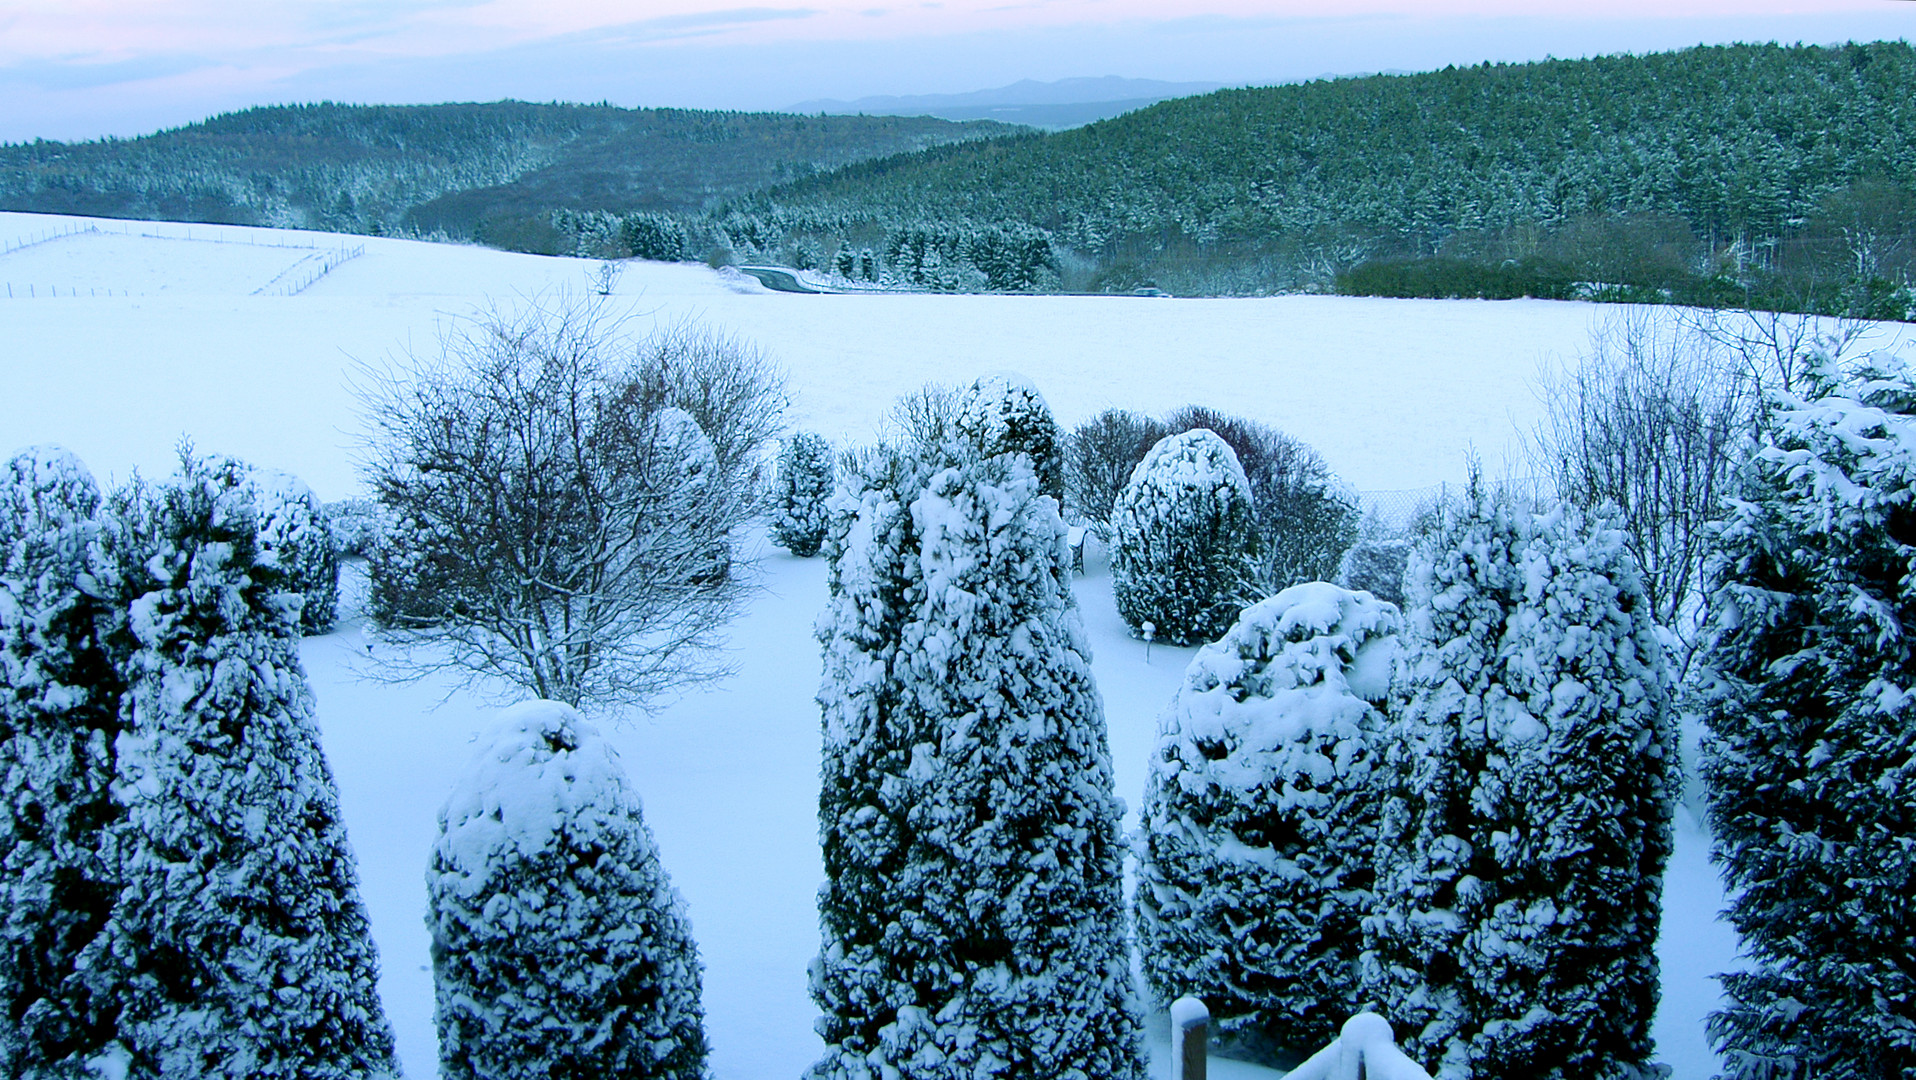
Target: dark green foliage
1284,187
1259,828
1304,522
489,172
1005,414
559,947
59,713
1185,540
1533,749
1810,738
237,945
799,493
972,916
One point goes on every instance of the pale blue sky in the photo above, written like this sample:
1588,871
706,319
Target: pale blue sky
84,68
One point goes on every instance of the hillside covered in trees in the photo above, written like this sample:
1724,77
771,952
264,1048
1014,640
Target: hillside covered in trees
1710,168
488,172
1761,175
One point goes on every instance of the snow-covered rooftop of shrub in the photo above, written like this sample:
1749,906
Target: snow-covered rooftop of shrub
1297,669
538,770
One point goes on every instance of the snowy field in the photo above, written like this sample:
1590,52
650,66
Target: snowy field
1394,394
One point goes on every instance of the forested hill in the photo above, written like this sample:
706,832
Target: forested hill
491,172
1699,150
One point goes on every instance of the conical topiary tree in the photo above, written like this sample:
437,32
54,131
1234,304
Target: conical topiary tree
559,945
1184,531
799,493
1534,755
1259,826
237,945
1004,413
1810,736
59,713
972,915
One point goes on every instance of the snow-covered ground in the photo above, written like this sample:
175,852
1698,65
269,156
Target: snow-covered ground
118,342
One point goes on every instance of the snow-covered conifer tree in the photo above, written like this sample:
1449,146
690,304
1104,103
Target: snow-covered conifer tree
293,527
559,945
59,712
237,945
1184,528
973,919
1519,898
1004,413
1260,818
799,494
1812,671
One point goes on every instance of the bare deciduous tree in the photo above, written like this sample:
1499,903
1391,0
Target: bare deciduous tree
1647,422
556,515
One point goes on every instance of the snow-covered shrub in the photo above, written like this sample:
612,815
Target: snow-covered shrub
1004,413
1184,533
293,529
973,919
354,524
59,710
1260,819
1534,761
799,492
1376,565
1099,458
554,518
1811,736
1305,517
237,945
559,945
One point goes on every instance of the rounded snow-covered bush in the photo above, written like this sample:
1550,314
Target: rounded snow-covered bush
559,945
1184,528
1532,784
799,494
293,529
1260,823
1003,413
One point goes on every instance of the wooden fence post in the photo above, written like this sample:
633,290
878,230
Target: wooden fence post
1190,1038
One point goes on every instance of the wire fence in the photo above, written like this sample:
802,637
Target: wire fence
1400,510
291,281
296,278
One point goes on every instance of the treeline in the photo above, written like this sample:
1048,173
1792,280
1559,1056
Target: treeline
1747,175
492,173
1780,173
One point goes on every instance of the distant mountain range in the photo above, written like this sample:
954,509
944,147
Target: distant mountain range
1053,106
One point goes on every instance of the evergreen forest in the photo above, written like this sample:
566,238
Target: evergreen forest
1779,177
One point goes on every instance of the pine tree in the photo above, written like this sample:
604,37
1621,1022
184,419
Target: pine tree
1260,819
1810,737
559,945
237,945
1184,532
972,917
1517,915
1004,413
293,527
799,494
59,713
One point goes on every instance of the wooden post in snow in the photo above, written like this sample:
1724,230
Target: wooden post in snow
1190,1036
